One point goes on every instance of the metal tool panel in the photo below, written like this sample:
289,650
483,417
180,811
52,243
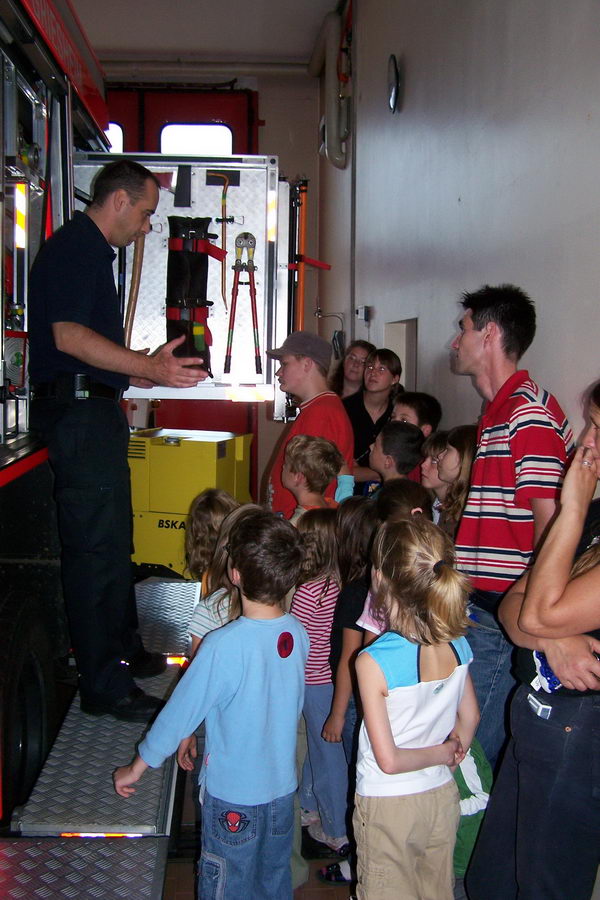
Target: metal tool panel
165,607
75,795
247,204
112,869
252,204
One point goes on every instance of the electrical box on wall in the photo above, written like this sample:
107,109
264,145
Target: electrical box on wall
214,250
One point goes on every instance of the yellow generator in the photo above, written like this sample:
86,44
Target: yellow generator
169,467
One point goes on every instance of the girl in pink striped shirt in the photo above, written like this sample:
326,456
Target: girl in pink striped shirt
324,784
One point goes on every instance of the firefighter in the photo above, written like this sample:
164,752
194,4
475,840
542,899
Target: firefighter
79,367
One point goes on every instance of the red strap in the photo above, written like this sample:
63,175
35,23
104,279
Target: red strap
315,263
194,313
197,245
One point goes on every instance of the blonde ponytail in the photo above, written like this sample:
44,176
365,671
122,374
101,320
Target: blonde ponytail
420,593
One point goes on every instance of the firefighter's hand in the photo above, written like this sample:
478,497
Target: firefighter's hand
125,776
187,753
142,382
175,371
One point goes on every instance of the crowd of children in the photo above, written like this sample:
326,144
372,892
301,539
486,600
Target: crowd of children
353,617
344,592
388,619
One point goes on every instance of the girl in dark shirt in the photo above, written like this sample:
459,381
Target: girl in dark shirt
356,522
370,408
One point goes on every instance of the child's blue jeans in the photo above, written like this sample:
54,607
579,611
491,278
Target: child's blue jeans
246,850
325,768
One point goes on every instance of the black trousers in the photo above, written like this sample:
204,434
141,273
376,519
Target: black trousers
87,443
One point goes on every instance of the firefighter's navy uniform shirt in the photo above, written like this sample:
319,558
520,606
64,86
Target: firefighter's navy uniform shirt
72,281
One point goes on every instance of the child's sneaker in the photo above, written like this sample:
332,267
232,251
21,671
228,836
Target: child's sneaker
336,873
309,817
339,845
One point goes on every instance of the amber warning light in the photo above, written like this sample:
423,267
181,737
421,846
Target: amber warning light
97,834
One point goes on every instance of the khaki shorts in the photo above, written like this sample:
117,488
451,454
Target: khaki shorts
405,845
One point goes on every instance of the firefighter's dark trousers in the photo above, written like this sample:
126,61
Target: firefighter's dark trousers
87,443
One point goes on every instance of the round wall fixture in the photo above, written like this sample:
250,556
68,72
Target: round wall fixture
393,83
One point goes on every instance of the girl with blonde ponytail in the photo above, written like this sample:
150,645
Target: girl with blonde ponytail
420,714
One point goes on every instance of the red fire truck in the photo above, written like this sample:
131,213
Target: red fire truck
52,143
52,101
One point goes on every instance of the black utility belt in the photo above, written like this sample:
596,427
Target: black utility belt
78,386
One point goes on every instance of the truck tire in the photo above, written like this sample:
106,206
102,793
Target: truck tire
27,699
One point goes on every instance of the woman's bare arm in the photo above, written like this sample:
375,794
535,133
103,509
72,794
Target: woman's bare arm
572,657
553,605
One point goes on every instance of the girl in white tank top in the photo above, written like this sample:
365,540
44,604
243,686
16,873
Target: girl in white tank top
420,714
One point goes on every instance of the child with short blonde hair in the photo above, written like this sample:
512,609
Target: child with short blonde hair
310,464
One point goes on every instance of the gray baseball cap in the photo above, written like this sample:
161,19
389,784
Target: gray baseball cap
304,343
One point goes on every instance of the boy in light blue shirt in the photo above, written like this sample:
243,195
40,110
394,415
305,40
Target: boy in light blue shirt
247,683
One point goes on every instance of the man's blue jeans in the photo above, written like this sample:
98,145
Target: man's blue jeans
539,838
246,850
492,679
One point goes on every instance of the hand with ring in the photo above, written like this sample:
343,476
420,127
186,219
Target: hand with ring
580,481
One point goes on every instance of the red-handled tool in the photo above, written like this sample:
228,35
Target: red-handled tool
244,241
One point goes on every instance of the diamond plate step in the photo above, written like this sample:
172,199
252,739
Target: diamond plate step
82,869
165,607
75,795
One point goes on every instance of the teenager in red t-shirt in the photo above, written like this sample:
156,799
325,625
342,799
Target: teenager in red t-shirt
303,365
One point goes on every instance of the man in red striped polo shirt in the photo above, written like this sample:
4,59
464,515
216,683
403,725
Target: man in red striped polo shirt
524,440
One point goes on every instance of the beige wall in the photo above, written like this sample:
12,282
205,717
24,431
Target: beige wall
290,109
335,245
488,173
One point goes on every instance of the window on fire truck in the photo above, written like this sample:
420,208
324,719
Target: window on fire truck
114,133
196,140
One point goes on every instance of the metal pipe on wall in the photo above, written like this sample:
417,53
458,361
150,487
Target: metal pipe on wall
325,56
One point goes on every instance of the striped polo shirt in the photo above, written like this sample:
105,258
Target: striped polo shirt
523,444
